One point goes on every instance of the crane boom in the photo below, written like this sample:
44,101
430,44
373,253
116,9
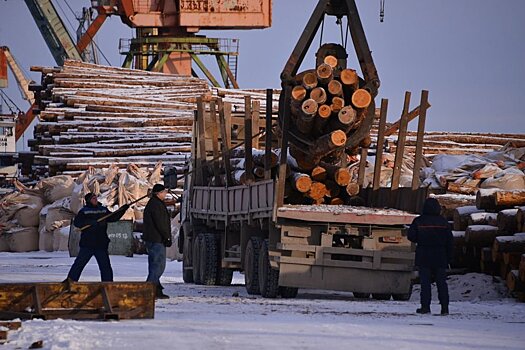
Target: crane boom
22,80
53,30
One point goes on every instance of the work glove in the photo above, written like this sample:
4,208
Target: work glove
168,242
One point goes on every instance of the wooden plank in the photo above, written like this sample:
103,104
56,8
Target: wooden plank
215,142
379,145
419,143
348,216
283,145
78,300
201,151
248,155
401,143
362,167
225,144
256,106
268,138
228,123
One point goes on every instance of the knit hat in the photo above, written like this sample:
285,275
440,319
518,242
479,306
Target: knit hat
88,197
158,188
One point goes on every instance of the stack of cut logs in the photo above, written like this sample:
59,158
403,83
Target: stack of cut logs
95,116
490,237
327,106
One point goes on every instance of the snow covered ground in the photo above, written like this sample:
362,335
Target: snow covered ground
197,317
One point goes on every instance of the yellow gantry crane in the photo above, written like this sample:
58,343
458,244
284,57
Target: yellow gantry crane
21,79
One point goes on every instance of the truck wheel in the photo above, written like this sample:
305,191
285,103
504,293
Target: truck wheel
288,292
381,296
196,250
268,277
361,295
224,277
403,297
208,259
187,274
251,265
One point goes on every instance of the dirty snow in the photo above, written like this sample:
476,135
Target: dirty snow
198,317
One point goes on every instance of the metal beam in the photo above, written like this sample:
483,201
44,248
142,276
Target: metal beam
53,30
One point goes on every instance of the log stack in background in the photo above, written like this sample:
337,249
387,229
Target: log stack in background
490,237
327,107
95,116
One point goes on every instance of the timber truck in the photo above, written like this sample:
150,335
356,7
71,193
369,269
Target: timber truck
240,220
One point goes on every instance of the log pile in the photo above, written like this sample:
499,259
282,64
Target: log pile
95,116
328,107
491,241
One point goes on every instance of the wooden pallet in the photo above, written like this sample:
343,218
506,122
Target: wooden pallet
77,300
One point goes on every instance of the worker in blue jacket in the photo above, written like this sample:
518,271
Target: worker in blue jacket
94,240
433,237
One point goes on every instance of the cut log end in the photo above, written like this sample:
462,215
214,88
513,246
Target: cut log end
349,77
324,71
361,98
347,115
309,107
325,111
319,173
298,93
335,88
317,191
310,81
331,61
318,95
302,183
338,138
352,189
342,177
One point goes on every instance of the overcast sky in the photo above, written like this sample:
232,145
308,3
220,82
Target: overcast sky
470,54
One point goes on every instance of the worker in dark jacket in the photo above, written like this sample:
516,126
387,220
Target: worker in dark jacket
94,240
157,235
431,232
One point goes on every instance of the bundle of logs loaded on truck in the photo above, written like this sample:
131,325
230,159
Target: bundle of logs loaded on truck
290,220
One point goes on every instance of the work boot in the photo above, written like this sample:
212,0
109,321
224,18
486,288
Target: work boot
444,310
160,294
423,310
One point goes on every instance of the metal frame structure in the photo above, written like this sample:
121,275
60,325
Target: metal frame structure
156,50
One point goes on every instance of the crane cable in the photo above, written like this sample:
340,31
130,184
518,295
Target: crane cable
73,28
4,96
381,11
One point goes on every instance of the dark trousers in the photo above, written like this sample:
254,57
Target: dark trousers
84,255
156,262
440,276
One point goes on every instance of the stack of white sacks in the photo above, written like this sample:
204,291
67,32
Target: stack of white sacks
39,218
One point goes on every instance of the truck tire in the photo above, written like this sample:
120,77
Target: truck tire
403,297
381,296
208,259
361,295
288,292
224,277
251,265
187,274
196,250
268,277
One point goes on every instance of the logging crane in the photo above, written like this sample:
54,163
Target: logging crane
233,212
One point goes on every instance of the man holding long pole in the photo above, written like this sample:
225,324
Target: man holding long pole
92,220
157,235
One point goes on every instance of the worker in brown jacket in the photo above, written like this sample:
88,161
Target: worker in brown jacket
157,235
